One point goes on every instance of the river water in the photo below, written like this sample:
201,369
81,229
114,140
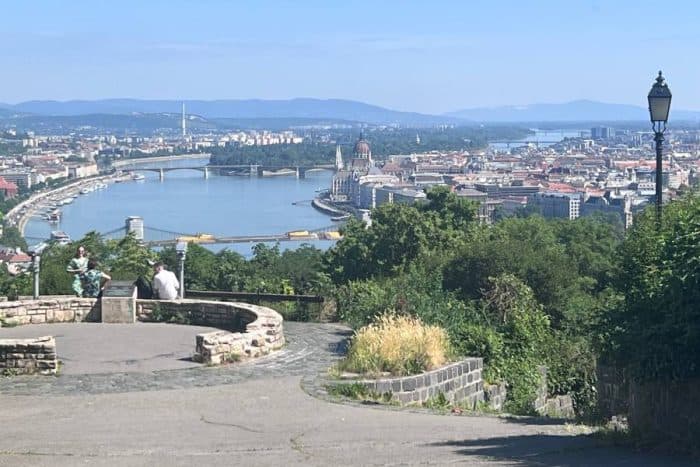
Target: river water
187,203
542,137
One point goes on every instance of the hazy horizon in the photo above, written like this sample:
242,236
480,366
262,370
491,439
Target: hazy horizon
408,56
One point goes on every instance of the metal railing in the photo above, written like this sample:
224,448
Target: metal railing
253,296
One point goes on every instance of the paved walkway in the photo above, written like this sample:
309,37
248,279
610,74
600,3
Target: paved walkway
256,414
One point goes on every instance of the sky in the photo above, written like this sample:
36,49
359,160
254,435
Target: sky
425,56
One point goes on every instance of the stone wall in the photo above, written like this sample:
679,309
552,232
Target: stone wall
557,406
667,412
459,382
49,310
613,390
495,395
249,330
28,356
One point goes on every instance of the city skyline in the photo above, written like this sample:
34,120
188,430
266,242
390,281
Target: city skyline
403,56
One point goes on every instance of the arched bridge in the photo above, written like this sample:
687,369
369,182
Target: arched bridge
250,170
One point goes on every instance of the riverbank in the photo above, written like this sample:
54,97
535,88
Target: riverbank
20,214
326,208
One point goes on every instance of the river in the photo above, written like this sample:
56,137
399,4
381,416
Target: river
186,202
541,137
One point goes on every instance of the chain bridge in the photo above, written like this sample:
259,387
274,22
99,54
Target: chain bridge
156,237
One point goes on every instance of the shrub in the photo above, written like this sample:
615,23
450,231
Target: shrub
399,345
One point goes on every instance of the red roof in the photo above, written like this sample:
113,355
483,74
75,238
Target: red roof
5,185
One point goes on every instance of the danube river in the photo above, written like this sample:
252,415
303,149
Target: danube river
187,203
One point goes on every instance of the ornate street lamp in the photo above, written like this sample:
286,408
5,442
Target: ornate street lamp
659,106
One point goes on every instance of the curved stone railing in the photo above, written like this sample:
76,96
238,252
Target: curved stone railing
57,309
248,330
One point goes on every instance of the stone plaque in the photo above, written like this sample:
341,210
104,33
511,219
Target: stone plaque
119,302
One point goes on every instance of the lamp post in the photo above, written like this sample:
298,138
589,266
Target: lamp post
181,250
659,106
35,252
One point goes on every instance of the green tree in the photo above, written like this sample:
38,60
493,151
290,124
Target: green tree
11,237
655,333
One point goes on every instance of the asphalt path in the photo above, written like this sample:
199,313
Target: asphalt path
256,413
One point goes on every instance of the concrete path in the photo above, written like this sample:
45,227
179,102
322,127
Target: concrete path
257,414
94,348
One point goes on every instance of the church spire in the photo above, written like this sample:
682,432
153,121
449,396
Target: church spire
338,158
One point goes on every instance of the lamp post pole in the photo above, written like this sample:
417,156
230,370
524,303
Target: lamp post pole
659,106
181,250
36,264
659,140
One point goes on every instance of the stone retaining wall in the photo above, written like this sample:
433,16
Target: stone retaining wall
668,413
28,356
49,310
495,395
459,382
250,330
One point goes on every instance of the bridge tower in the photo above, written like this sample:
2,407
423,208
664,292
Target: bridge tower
134,224
161,174
206,172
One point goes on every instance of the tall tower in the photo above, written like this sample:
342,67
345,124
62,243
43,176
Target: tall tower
184,122
338,158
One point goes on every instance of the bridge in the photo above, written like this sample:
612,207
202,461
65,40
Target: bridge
248,170
520,142
155,237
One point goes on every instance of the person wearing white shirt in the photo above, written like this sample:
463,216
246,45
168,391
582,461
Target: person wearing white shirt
165,283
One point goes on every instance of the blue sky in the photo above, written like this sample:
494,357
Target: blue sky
427,56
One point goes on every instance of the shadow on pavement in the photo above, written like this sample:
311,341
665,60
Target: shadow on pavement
559,451
535,420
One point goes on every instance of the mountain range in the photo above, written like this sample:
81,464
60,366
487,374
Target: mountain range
310,110
336,109
579,110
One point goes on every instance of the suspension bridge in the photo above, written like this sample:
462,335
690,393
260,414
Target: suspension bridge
156,237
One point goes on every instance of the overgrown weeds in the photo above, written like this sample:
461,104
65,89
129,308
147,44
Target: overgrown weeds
399,345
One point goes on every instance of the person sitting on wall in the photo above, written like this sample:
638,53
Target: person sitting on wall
92,280
165,284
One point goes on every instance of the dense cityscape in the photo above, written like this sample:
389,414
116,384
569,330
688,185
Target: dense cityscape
379,233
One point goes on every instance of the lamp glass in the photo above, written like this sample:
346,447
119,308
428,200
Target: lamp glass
659,108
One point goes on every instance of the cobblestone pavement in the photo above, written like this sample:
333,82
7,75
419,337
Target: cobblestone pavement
311,348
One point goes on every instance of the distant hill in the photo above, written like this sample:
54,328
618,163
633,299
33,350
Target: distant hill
141,123
336,109
581,110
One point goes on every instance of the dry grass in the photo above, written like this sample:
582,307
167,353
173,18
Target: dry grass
400,345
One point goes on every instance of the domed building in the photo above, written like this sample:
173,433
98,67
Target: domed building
361,155
347,184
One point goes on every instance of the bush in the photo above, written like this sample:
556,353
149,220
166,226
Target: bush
399,345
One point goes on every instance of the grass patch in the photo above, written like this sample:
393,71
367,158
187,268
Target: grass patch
8,323
399,345
358,391
438,402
